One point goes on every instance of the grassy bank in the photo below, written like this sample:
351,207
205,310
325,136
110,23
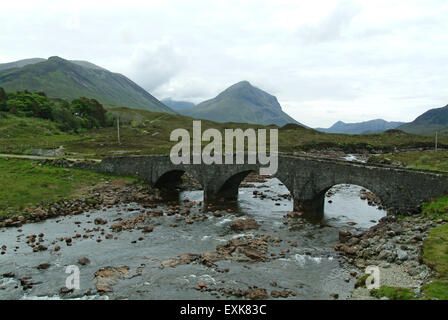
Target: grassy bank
26,183
435,249
435,255
21,135
428,159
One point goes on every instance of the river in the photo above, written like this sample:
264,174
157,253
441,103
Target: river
311,269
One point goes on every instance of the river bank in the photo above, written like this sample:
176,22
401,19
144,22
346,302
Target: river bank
96,197
395,245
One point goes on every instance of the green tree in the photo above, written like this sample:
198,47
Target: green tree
91,110
3,99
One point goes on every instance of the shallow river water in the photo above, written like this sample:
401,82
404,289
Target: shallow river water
311,268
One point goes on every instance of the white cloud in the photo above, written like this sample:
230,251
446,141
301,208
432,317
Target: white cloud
153,66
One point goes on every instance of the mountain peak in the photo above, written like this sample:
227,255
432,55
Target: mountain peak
243,83
56,59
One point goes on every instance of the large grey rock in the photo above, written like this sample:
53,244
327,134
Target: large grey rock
402,255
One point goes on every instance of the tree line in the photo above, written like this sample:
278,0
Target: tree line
76,115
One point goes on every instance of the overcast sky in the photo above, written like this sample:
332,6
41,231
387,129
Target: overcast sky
324,60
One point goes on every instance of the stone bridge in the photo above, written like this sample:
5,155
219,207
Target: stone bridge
307,179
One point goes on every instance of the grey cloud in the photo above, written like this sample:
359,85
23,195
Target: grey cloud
153,68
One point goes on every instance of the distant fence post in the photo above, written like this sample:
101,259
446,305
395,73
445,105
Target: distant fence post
118,129
436,140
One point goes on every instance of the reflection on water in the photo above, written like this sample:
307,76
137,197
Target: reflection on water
311,268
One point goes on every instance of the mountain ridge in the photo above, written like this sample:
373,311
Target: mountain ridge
370,126
178,105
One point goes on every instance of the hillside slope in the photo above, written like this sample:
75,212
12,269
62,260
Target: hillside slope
60,78
20,63
429,122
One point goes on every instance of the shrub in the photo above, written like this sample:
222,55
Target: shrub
82,113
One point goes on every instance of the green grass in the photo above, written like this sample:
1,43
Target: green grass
436,289
428,159
26,184
144,132
437,208
393,293
21,135
435,250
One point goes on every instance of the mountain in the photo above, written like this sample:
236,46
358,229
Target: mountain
242,102
60,78
20,63
372,126
179,106
429,122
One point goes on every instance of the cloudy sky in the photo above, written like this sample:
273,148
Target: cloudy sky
325,60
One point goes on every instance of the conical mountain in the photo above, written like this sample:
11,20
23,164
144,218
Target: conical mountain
243,103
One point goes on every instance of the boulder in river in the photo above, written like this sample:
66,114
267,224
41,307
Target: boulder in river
256,294
244,224
43,266
148,228
108,276
84,261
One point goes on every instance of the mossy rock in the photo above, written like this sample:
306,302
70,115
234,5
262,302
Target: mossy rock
361,282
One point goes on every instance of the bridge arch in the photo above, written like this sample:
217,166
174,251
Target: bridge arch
169,179
229,185
229,188
313,206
